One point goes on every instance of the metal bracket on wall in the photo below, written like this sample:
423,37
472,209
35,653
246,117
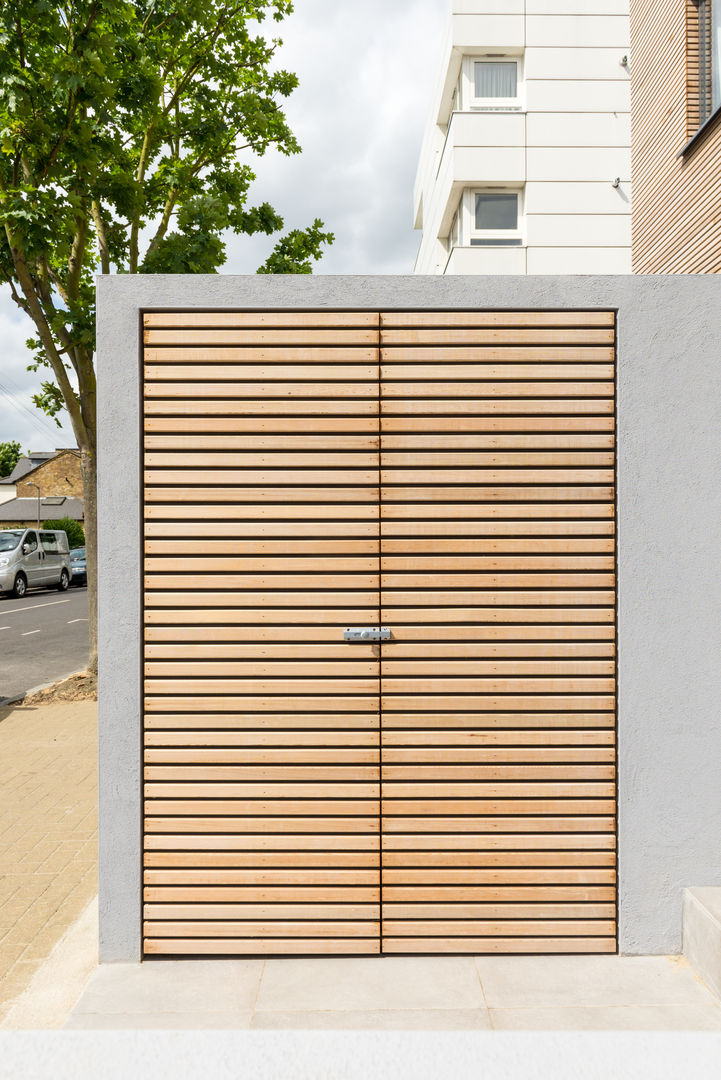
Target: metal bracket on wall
369,633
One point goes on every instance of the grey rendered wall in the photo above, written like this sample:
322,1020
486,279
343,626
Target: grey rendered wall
669,475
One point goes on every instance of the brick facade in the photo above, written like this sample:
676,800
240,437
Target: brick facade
59,476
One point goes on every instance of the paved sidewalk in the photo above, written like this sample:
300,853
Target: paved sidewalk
531,993
48,825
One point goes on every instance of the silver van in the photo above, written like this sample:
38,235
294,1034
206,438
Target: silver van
33,559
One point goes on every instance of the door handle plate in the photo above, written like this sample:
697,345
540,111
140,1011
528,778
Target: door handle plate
367,633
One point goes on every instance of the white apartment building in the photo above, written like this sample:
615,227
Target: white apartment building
526,160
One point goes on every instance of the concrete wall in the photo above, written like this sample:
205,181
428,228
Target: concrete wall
562,149
669,505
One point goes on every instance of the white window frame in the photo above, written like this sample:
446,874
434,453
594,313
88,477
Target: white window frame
464,219
471,103
488,236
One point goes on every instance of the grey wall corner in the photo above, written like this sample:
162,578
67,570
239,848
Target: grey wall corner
119,619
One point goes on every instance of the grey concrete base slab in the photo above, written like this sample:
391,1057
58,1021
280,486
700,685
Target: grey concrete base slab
158,988
376,1020
195,1021
622,1018
597,981
702,934
395,983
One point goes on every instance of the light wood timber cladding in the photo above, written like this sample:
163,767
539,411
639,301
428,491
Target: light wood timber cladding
498,566
676,225
261,545
450,475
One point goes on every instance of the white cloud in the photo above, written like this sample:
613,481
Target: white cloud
366,69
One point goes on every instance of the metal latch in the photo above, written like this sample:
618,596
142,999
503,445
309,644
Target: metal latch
367,633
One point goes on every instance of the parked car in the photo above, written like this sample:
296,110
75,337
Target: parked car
78,566
33,559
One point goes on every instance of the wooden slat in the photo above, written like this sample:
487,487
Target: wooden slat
267,842
157,912
505,946
218,413
398,393
422,442
416,460
261,860
254,319
254,946
583,639
489,422
484,336
496,353
294,336
284,443
478,319
274,928
473,843
451,372
490,403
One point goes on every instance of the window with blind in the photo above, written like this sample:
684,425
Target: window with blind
488,218
493,83
705,57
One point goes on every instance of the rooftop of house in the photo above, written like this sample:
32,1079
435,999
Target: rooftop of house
33,460
51,508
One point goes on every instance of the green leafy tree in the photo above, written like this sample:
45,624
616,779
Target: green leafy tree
125,129
73,529
9,454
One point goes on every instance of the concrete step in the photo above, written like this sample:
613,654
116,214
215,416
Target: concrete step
702,934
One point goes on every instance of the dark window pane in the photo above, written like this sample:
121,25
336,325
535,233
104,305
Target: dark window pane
495,241
496,211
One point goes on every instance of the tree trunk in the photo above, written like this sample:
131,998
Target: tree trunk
88,468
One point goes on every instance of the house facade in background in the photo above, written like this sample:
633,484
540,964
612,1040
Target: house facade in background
525,166
54,477
676,90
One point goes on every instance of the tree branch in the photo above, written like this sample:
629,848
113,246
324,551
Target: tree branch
102,237
77,255
164,222
139,177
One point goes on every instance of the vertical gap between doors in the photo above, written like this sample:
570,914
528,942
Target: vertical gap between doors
380,654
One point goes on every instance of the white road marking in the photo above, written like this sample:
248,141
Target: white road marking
50,603
70,621
4,627
27,632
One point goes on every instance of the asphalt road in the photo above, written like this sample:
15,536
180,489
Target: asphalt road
42,637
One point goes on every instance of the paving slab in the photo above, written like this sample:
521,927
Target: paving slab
362,984
596,981
188,987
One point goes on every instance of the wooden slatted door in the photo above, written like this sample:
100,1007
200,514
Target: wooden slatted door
498,759
261,545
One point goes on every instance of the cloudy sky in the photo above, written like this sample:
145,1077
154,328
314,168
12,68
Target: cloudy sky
366,69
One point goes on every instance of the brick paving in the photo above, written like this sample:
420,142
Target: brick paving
48,832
